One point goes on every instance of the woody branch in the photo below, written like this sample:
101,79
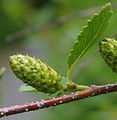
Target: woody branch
92,91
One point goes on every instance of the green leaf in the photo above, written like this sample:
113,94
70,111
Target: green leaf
89,35
26,88
2,71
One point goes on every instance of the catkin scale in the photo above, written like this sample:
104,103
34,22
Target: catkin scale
36,73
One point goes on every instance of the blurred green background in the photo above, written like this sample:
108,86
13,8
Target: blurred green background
52,46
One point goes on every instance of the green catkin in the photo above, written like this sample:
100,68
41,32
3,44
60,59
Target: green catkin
108,50
36,73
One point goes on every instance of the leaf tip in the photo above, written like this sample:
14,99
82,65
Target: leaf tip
108,5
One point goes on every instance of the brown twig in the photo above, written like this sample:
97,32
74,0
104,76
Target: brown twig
92,91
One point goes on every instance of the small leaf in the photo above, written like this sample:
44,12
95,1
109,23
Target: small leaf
26,88
89,35
2,71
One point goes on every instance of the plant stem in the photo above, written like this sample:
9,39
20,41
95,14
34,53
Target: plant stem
71,86
68,75
92,91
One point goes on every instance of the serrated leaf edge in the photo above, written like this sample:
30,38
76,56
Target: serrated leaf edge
84,27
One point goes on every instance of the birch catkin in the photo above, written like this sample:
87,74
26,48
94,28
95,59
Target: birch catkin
108,50
36,73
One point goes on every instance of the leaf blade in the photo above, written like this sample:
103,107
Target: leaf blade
27,88
89,35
